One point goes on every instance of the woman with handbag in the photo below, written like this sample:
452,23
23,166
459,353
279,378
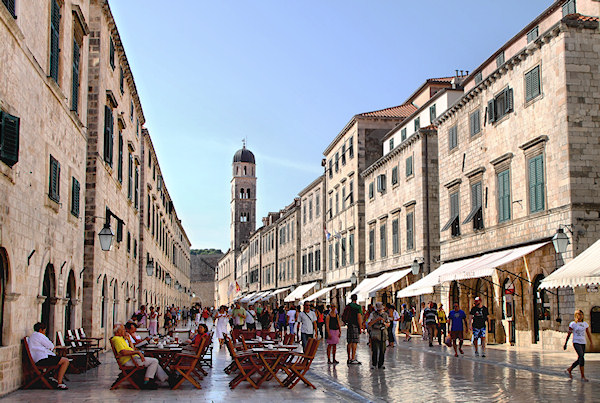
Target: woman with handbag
378,324
333,325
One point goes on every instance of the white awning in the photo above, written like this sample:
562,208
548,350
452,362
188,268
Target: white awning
363,288
426,284
582,271
392,278
258,296
344,285
279,291
248,297
267,295
299,292
317,294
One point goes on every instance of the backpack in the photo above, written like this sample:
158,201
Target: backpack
407,315
346,314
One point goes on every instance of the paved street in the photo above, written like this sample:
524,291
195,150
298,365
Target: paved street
413,372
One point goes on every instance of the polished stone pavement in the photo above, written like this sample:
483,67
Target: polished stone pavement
414,372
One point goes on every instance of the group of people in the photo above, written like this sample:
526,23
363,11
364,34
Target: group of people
173,317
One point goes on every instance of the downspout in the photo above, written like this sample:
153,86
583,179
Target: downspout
428,235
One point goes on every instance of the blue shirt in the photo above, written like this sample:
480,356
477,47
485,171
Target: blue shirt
457,320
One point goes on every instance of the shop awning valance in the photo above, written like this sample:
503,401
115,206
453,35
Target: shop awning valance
317,294
391,279
247,297
299,292
582,271
344,285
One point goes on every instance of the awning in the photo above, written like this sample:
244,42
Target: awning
248,297
582,271
392,278
299,292
239,297
478,267
267,295
344,285
363,286
279,291
258,296
317,294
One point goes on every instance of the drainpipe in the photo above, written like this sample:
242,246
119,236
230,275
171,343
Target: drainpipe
428,229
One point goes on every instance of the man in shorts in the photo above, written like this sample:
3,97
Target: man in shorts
458,322
479,318
354,320
405,321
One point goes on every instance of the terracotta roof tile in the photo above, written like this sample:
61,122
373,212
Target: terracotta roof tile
441,79
579,17
400,111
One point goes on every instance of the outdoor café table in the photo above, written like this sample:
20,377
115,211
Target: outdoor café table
165,355
272,360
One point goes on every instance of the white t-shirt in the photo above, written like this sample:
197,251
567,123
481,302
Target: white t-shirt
40,346
291,316
578,329
307,319
250,315
396,316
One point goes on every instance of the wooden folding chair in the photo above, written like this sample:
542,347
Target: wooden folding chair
206,358
78,358
246,365
185,366
92,345
288,339
127,372
36,372
297,369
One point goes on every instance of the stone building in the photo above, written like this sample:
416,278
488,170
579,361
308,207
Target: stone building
269,244
254,261
43,116
288,246
355,148
225,287
518,162
202,277
401,193
312,236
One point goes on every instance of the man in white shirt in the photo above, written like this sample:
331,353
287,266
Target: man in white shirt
250,318
42,353
308,325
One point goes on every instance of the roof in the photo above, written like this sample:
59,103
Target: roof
582,271
579,17
441,79
244,155
400,111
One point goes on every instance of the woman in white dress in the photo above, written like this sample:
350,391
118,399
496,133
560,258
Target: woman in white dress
153,322
222,319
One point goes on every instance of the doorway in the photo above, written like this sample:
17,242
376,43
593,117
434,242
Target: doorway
69,295
541,307
3,282
48,291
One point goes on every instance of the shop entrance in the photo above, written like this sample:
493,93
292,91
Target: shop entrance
541,307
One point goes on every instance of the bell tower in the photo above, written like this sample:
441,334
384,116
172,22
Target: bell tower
243,197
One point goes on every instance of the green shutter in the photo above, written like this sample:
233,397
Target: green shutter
75,82
108,135
569,8
432,113
54,40
409,166
532,84
112,54
409,231
528,86
120,162
121,77
503,196
536,184
403,134
75,189
9,138
491,111
54,180
509,100
10,6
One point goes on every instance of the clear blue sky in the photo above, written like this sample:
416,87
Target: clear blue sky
288,76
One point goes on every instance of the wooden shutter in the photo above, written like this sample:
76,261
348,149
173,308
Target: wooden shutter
75,198
382,241
528,86
9,138
509,99
112,54
75,81
120,162
54,40
10,6
491,111
409,166
409,231
121,77
536,184
108,134
54,180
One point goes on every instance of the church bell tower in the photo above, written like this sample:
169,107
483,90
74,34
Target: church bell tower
243,197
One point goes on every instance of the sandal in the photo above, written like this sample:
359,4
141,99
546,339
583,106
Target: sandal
62,386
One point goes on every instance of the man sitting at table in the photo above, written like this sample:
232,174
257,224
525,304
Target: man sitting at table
129,355
42,353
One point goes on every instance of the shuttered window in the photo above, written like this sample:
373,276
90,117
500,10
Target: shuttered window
108,135
9,138
10,6
533,34
532,84
383,240
112,54
504,203
476,213
137,186
75,192
344,254
432,113
395,237
478,78
381,183
351,147
501,105
454,221
453,137
500,60
391,144
417,124
409,166
372,244
410,233
54,180
330,257
351,249
403,134
54,40
536,184
475,122
371,192
569,8
120,161
75,82
121,79
130,178
394,175
331,168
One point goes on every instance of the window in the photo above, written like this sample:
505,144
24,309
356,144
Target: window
10,6
343,198
131,112
310,210
533,34
417,124
382,240
474,123
500,59
504,203
343,154
409,166
304,265
476,214
501,105
119,235
318,260
337,254
351,248
136,189
351,147
120,161
112,54
75,78
432,113
454,221
410,233
478,78
9,138
121,79
344,259
54,183
330,257
148,208
381,183
310,262
453,137
536,184
130,177
395,238
330,169
135,248
128,242
391,142
54,40
330,207
532,84
403,134
75,191
304,214
569,8
108,135
371,192
337,203
372,244
337,162
351,193
394,175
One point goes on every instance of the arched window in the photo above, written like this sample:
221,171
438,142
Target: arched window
247,193
48,291
244,171
3,283
69,295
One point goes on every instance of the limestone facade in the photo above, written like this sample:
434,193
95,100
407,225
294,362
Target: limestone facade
531,169
288,246
269,244
312,236
225,279
202,277
254,261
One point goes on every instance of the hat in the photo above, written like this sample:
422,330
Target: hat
477,299
378,305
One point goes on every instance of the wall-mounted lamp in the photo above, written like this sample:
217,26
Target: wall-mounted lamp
560,240
150,267
416,266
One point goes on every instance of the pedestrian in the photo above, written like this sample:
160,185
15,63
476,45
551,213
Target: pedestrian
142,316
320,320
479,318
405,321
292,318
354,320
422,322
222,318
378,323
579,329
394,317
367,314
251,318
442,320
281,321
152,322
308,325
458,322
264,318
239,316
333,325
430,319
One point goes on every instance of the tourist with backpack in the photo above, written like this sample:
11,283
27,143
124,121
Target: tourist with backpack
354,321
406,316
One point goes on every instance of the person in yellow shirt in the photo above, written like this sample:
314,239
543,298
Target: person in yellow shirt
442,320
129,355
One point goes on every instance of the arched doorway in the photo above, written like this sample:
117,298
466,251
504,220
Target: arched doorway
541,307
482,290
69,295
3,283
454,293
48,291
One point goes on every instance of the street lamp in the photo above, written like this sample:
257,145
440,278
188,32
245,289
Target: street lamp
415,267
560,241
168,279
106,235
150,267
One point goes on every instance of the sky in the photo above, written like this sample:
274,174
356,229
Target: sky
287,76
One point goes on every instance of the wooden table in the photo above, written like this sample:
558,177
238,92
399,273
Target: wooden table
272,361
165,355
